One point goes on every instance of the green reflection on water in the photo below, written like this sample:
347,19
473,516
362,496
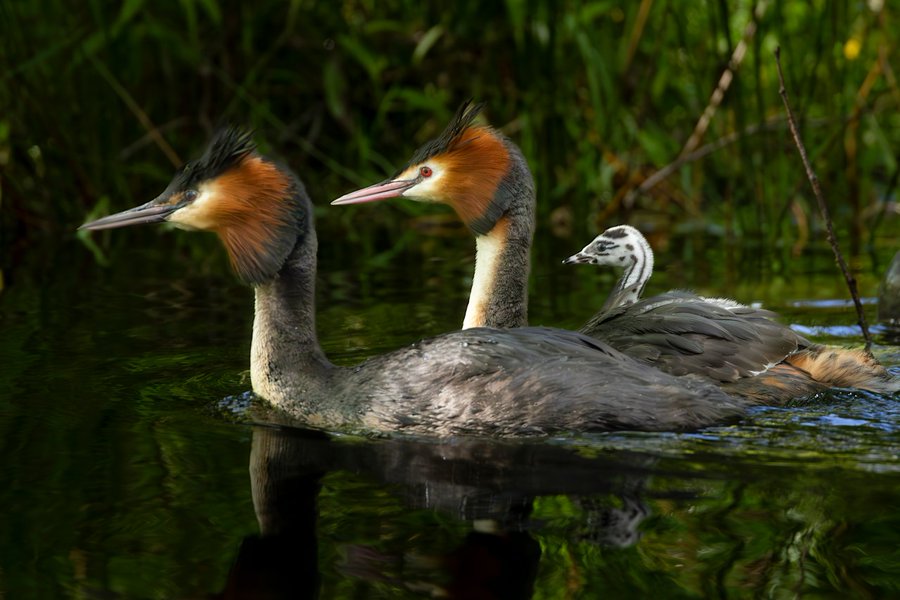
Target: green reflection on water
120,475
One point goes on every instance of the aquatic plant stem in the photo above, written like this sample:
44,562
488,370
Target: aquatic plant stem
142,117
737,57
823,208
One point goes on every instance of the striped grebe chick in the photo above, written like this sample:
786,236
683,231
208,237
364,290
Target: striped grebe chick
622,247
626,248
677,315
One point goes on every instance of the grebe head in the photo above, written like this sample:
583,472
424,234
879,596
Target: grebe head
621,246
464,167
249,201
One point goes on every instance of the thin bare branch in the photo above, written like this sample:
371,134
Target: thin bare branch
651,181
823,208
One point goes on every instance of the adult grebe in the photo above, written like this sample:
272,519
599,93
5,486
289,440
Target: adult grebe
521,382
482,175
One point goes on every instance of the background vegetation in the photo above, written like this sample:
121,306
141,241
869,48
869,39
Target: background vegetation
101,99
119,477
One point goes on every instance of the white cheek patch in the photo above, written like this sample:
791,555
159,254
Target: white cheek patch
427,190
199,214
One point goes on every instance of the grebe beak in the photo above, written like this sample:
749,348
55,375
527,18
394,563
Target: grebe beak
577,259
391,188
155,211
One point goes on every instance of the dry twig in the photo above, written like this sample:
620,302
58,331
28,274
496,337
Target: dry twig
823,208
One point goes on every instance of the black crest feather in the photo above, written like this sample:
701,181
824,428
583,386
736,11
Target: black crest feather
461,121
229,146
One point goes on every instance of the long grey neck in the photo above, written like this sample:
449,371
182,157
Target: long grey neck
286,361
630,286
499,296
641,269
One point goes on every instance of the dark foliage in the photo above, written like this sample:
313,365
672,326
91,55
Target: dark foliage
97,96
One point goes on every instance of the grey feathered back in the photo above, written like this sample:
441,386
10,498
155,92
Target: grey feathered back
680,333
528,381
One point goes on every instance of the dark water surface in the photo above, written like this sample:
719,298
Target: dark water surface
125,473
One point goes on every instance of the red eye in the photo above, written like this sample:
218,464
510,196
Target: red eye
425,171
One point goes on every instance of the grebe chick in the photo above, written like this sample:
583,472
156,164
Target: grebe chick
622,247
742,343
521,382
625,247
483,176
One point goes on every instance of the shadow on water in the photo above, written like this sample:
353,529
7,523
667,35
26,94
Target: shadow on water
546,520
488,484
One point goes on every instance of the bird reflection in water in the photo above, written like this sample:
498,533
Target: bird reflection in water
491,485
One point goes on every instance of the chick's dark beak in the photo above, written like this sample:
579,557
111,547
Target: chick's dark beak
380,191
155,211
577,259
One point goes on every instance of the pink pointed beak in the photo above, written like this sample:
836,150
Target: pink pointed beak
379,191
